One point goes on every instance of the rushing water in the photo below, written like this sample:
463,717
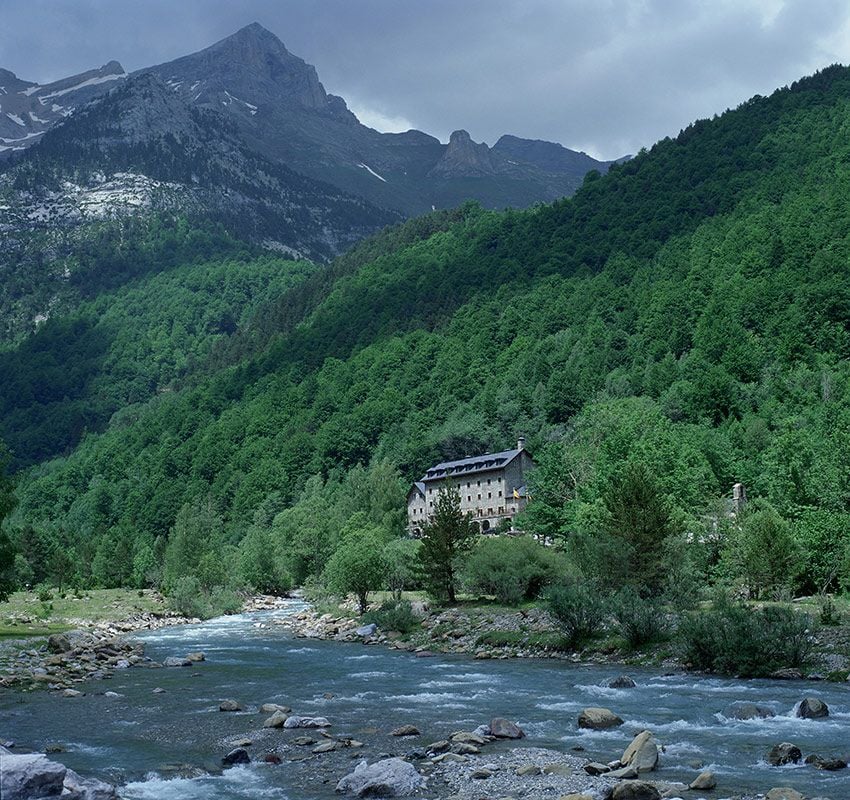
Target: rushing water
158,743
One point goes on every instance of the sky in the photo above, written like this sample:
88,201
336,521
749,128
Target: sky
604,76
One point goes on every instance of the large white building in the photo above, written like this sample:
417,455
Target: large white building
492,488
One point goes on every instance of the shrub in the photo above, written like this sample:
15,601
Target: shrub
511,568
358,565
579,611
188,599
829,612
393,615
640,620
735,639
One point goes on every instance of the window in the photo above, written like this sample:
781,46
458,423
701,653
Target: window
488,481
467,484
478,483
489,495
500,492
469,498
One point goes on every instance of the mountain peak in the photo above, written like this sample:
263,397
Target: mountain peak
464,158
253,66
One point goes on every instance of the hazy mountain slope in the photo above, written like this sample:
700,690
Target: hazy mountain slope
693,306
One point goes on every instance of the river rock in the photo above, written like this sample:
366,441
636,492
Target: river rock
71,693
787,674
405,730
828,764
30,776
195,658
742,710
238,755
438,747
271,708
783,793
464,749
812,708
303,741
527,770
621,682
596,768
276,720
705,781
598,719
272,758
325,747
563,770
505,729
784,753
77,788
176,661
642,753
635,790
306,722
466,737
367,630
59,643
623,773
229,705
480,774
391,777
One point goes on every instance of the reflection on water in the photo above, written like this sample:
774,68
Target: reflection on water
159,743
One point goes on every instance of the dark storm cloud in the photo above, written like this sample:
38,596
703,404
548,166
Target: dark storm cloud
605,76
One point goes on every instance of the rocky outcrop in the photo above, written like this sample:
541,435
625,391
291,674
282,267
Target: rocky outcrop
464,158
391,777
598,719
621,682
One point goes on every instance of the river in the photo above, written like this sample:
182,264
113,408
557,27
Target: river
160,744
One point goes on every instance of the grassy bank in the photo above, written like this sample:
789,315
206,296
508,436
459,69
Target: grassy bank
28,614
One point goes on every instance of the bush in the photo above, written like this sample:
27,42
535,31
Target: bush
511,568
188,599
641,621
735,639
579,611
393,615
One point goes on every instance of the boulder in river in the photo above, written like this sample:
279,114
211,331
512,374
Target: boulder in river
276,720
783,793
812,708
29,776
405,730
784,753
59,643
196,657
598,719
828,764
77,788
621,682
743,710
635,790
229,705
306,722
176,661
642,753
391,777
505,729
705,781
367,630
270,708
238,755
787,674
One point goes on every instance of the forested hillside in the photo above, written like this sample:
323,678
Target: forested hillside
687,312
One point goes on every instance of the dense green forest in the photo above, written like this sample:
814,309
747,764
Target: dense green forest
686,316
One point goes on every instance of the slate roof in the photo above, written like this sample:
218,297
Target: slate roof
470,466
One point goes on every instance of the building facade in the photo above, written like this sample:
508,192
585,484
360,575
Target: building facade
492,488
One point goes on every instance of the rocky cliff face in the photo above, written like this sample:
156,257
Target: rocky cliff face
28,109
275,104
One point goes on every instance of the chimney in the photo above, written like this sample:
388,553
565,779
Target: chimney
520,443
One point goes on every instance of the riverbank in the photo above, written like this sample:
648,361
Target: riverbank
486,632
